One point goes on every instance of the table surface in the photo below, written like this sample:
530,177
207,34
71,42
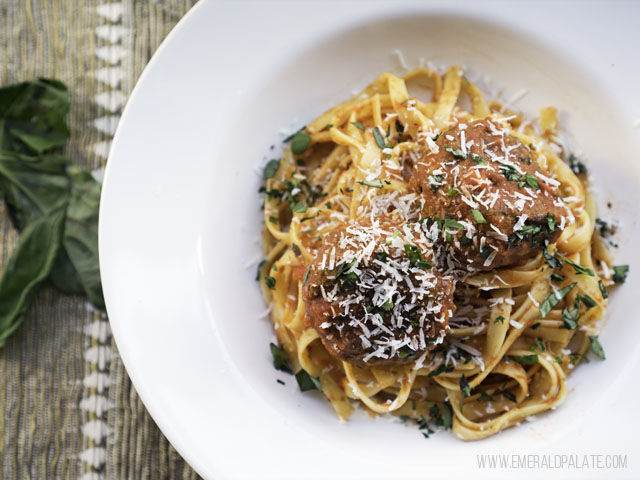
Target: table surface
67,407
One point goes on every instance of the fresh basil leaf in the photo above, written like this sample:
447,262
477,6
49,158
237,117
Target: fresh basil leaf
577,267
29,266
80,239
32,186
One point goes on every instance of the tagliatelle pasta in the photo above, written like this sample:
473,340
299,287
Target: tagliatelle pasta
431,262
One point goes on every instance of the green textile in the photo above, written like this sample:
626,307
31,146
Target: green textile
67,407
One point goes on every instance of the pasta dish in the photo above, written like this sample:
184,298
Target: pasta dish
434,259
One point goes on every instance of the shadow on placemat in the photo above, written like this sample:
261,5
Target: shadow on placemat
67,408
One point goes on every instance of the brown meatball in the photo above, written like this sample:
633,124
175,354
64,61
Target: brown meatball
373,295
492,206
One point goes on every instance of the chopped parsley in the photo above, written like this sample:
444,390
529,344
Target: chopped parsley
552,300
280,358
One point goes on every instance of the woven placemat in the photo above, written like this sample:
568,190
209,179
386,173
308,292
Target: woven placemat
67,408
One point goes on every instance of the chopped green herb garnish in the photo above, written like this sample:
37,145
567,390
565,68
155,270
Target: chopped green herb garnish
499,318
306,276
558,360
273,219
553,299
526,359
532,181
358,125
415,257
596,347
508,394
485,397
260,265
307,382
299,207
551,222
477,216
478,159
371,183
556,277
296,250
535,325
464,387
452,191
382,256
456,153
577,166
603,289
378,138
280,358
388,305
270,169
588,301
577,267
270,282
451,223
570,316
300,142
620,273
537,346
441,369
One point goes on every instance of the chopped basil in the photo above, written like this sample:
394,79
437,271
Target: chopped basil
328,204
300,142
378,138
273,219
358,125
456,153
441,369
577,166
270,281
570,317
508,394
299,207
478,159
415,257
556,277
452,191
558,360
588,301
551,222
537,346
596,347
290,137
270,169
620,273
296,250
552,300
526,359
535,325
510,172
532,181
499,318
382,256
371,183
306,276
260,265
464,387
451,223
466,241
399,127
388,305
485,397
441,418
280,358
577,267
485,252
307,382
477,216
603,290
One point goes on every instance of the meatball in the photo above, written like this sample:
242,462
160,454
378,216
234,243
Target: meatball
491,204
373,296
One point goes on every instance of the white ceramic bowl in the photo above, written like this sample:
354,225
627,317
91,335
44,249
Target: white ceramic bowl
180,222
